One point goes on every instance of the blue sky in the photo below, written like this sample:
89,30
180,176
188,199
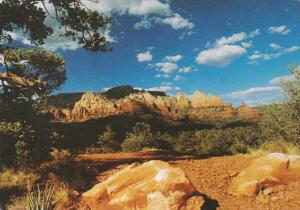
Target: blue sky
237,49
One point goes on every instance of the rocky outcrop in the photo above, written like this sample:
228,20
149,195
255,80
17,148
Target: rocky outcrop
265,173
127,100
200,99
152,185
247,112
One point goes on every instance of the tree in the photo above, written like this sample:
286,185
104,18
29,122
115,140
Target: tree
282,121
28,74
107,140
77,21
140,137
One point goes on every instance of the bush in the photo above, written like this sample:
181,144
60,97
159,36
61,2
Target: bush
43,199
281,121
107,140
227,141
184,142
140,137
22,143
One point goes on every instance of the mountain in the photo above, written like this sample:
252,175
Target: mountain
74,107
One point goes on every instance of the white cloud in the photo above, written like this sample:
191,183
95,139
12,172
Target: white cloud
146,24
252,91
231,40
291,49
130,7
174,58
279,80
220,56
187,33
17,36
176,22
177,78
1,59
238,37
246,44
144,57
161,88
160,10
166,67
166,83
254,33
186,69
256,56
283,30
275,46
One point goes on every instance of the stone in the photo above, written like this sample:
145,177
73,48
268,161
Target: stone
264,173
200,99
152,185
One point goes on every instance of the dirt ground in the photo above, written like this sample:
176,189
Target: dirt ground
210,175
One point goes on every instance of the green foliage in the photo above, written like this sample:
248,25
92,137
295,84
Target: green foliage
282,121
107,140
184,141
75,22
43,199
227,141
280,146
140,137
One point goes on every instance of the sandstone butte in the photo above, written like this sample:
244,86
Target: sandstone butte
97,105
153,185
265,173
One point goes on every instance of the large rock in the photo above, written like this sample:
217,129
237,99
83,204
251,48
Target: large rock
265,173
200,99
246,112
153,185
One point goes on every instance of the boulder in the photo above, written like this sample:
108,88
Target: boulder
265,173
151,185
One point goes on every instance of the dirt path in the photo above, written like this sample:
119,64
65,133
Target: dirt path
211,176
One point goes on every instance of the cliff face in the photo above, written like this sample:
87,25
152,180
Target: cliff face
200,99
131,101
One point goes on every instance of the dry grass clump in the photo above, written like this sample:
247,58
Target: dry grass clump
11,178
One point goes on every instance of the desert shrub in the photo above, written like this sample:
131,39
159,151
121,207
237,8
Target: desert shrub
9,132
140,137
227,141
12,178
162,141
22,143
184,141
107,140
13,184
43,199
60,155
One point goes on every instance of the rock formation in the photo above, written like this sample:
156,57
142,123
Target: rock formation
247,112
264,173
127,100
200,99
150,186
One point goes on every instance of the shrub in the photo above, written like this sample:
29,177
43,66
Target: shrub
43,199
184,141
60,155
107,140
12,179
281,121
140,137
227,141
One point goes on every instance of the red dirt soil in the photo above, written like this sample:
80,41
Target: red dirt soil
210,175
